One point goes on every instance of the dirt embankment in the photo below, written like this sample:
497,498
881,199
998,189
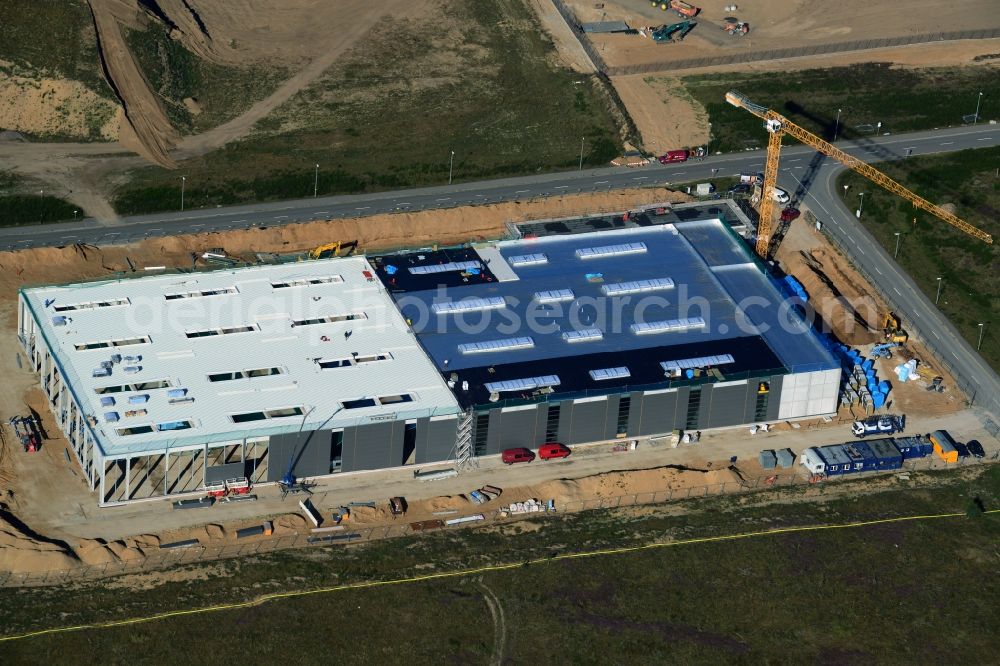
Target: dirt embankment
378,232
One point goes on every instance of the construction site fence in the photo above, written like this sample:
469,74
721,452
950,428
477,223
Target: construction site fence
155,560
924,331
779,54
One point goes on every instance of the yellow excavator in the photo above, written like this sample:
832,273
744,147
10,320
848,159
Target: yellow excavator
777,126
332,250
892,328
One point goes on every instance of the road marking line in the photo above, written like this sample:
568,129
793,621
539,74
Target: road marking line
897,291
238,221
641,178
916,314
404,203
678,173
861,249
561,187
443,199
600,182
878,270
281,217
985,138
947,143
936,335
363,208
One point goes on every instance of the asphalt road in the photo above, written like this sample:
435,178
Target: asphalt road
795,160
803,172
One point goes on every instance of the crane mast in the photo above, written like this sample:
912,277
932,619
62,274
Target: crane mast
777,126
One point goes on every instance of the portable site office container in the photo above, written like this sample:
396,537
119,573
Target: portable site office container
812,461
862,456
767,459
944,446
837,461
912,447
785,458
886,453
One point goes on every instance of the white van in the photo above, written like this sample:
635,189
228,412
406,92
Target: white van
780,195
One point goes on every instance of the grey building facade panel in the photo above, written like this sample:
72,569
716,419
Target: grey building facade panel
493,440
589,421
658,413
518,428
727,406
309,453
372,444
565,429
438,442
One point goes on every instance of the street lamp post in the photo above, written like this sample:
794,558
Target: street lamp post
582,140
836,130
978,102
980,343
861,205
183,181
451,166
896,253
74,213
938,297
316,182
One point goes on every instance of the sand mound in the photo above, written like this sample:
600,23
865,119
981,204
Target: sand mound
289,524
367,514
446,503
208,533
124,552
22,551
95,552
614,484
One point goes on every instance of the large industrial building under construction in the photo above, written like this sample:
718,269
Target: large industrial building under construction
168,383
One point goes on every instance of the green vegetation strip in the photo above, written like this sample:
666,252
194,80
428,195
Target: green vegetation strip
930,248
901,99
480,570
389,114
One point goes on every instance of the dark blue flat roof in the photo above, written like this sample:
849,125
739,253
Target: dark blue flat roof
703,289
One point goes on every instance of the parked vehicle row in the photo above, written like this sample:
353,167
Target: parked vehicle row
547,451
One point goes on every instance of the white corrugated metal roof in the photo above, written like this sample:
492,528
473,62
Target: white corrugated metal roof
258,350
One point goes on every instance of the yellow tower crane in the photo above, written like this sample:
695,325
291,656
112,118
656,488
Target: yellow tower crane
777,126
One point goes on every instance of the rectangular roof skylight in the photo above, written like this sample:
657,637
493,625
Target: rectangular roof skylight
667,326
610,373
554,296
519,260
444,268
699,362
610,250
583,335
636,286
504,344
469,305
526,384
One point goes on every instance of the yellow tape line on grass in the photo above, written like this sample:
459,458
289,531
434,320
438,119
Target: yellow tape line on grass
469,572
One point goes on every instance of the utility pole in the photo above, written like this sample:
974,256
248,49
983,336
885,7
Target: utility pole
451,166
896,253
938,297
978,101
582,139
316,182
183,181
980,343
836,130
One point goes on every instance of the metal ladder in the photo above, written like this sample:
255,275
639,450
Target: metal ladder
463,442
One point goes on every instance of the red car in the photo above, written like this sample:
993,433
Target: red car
674,156
552,450
518,455
789,214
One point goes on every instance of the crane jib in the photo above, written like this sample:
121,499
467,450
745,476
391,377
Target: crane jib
778,125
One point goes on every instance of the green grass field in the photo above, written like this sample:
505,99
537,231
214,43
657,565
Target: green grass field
51,38
903,100
479,80
174,73
970,292
912,592
19,204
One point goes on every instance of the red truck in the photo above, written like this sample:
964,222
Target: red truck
672,156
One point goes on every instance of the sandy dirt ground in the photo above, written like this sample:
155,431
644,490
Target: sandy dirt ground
50,497
569,52
776,24
667,117
55,106
854,312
